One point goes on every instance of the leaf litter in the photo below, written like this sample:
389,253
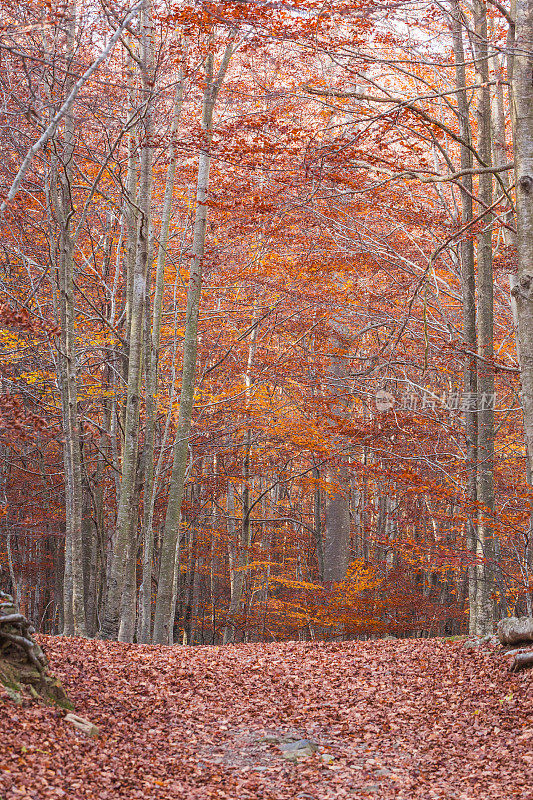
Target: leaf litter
406,719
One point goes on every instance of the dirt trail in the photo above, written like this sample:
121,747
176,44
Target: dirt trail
408,719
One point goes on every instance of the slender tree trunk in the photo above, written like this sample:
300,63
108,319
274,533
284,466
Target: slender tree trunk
236,576
337,534
152,362
163,611
125,531
73,587
522,118
520,68
317,530
469,301
90,558
239,555
499,152
485,393
74,583
337,515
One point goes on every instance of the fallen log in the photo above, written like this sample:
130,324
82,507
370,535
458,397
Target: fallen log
522,661
514,630
515,651
23,667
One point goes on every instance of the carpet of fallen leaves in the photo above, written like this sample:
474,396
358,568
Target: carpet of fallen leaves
392,719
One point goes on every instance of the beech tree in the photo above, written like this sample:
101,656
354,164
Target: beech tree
165,593
284,381
521,33
125,536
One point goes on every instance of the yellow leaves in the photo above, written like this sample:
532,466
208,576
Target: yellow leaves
301,432
39,376
100,339
97,391
12,345
9,339
361,577
256,564
259,401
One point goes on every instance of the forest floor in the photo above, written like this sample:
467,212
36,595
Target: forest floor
383,719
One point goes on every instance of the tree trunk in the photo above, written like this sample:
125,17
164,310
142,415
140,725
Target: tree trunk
337,527
337,516
485,393
126,510
469,300
317,529
163,611
152,361
522,119
73,597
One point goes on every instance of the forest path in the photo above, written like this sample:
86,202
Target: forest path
383,719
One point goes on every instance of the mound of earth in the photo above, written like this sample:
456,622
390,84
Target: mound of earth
23,667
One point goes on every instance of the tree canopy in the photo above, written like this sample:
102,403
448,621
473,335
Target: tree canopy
266,326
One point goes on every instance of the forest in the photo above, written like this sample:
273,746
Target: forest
266,325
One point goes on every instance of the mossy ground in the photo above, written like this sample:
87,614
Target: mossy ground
22,680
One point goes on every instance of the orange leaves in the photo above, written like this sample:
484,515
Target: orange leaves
294,584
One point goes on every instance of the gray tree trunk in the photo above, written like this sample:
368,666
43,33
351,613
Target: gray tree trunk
163,611
520,46
61,197
469,298
499,152
126,511
522,120
317,528
337,515
485,394
337,527
152,362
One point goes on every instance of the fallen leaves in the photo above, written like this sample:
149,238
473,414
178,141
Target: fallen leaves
209,722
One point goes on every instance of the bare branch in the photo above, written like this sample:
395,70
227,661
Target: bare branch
49,132
503,11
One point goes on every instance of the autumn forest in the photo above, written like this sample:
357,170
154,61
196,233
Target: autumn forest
266,320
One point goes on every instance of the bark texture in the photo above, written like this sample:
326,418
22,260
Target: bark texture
468,279
484,611
163,613
514,630
125,533
521,68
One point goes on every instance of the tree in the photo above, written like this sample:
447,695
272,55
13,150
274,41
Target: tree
269,222
165,590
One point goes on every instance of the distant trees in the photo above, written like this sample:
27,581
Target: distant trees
241,225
